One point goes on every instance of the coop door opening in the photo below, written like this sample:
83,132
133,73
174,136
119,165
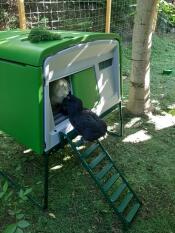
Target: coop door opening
58,90
84,86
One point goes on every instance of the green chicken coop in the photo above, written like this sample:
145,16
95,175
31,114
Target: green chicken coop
91,65
90,62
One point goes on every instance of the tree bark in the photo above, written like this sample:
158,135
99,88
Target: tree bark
139,92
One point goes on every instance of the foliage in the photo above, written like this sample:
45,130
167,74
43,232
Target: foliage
167,12
19,226
41,34
8,15
5,195
9,203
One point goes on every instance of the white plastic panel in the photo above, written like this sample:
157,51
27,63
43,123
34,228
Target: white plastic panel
75,59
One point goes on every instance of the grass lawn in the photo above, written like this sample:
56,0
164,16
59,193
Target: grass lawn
146,156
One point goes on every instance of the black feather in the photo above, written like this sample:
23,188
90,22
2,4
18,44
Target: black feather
86,122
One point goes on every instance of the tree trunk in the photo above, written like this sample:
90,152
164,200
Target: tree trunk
139,92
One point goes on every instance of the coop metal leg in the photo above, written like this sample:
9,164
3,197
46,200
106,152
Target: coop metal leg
121,119
46,180
120,134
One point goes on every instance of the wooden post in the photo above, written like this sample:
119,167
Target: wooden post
21,11
108,15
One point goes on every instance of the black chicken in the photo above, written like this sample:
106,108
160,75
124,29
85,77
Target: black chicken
85,122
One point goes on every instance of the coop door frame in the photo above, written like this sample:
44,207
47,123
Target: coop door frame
69,62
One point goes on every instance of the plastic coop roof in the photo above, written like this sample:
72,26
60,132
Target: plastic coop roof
15,46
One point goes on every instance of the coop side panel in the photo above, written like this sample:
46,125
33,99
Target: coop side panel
84,86
21,104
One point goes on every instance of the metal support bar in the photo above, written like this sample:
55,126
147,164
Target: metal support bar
120,134
121,119
46,180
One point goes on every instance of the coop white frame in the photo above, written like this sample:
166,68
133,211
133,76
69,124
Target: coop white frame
73,60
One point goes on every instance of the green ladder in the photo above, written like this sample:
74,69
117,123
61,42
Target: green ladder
116,190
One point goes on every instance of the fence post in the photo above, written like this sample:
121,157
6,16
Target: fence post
21,12
108,15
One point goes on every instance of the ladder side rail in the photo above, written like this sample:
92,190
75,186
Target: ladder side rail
89,170
122,176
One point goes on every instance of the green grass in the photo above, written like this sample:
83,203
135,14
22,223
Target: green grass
75,204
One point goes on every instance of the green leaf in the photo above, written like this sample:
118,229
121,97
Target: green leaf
2,194
23,224
18,211
19,216
18,168
8,196
5,187
20,193
11,228
27,191
39,182
11,212
19,230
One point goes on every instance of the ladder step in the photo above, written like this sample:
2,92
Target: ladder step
110,182
89,151
132,212
79,143
120,189
97,160
72,134
125,202
104,171
122,196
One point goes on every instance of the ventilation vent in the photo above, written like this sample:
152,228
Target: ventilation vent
105,64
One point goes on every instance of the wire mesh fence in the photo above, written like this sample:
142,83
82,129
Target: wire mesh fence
84,15
87,15
80,15
122,17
